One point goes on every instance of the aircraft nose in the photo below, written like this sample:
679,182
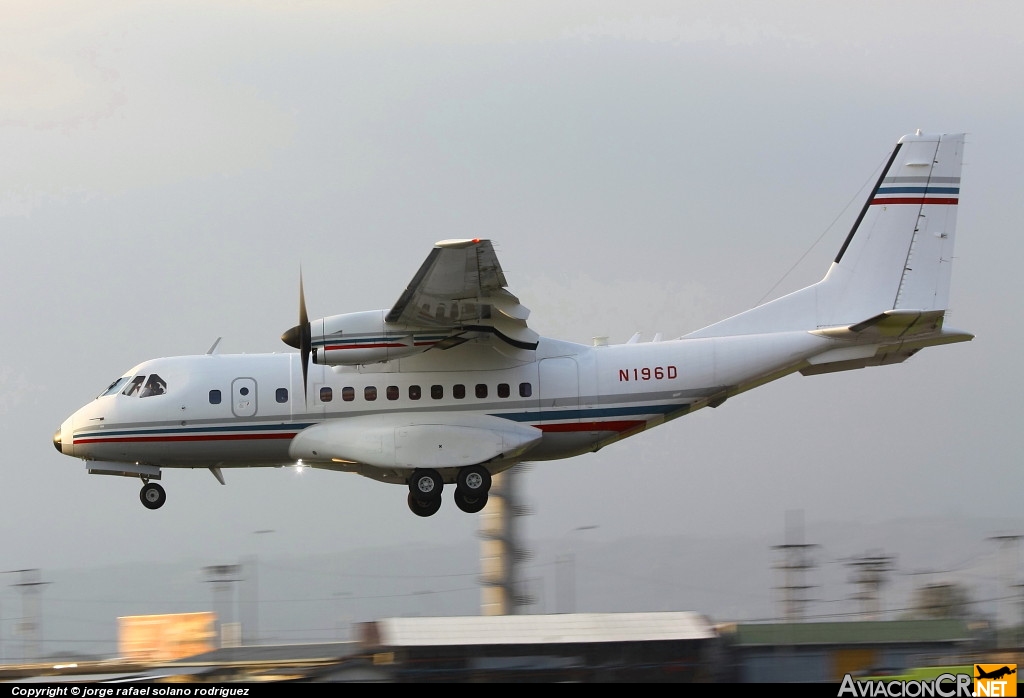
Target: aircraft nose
56,441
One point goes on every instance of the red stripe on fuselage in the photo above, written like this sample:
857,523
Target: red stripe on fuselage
621,425
191,437
564,427
949,201
382,345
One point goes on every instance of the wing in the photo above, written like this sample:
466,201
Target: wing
460,287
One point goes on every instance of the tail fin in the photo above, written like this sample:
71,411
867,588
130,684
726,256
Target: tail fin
899,253
897,257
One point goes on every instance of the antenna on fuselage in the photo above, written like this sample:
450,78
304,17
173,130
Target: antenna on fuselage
213,347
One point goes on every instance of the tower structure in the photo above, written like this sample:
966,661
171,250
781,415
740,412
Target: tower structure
501,553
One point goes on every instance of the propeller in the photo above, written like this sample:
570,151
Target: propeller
301,337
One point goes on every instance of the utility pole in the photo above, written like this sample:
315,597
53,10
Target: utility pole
796,563
565,576
1007,574
223,578
870,574
31,625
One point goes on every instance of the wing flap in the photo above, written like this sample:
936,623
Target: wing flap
461,286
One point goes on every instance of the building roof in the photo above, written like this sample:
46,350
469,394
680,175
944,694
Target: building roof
851,632
245,654
542,629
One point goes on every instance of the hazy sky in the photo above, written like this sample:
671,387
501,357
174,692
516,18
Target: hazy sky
642,166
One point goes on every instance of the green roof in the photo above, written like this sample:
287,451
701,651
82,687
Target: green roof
847,633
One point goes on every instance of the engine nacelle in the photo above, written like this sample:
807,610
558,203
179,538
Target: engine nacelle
364,338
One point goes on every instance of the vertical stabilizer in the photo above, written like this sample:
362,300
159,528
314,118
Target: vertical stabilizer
898,255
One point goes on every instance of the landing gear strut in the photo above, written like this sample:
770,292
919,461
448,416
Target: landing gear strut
152,495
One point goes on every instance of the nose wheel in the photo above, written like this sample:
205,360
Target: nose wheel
152,496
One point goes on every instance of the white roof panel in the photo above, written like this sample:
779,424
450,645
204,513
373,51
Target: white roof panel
551,629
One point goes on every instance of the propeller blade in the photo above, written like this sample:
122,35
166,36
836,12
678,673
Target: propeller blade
301,337
306,338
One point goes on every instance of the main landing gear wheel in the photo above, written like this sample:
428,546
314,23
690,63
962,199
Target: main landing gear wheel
474,480
470,504
152,496
426,484
423,507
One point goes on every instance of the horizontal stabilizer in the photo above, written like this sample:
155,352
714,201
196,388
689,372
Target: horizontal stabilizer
892,324
880,359
887,338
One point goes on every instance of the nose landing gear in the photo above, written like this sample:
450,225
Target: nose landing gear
152,495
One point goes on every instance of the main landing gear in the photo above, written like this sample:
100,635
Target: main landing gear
472,485
152,495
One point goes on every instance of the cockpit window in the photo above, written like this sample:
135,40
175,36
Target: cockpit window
135,386
115,386
154,386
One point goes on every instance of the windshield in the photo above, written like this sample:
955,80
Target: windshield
154,386
115,386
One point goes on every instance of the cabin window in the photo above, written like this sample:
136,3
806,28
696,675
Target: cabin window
458,391
525,390
214,397
481,390
370,393
414,392
437,392
392,392
282,394
348,393
504,390
326,394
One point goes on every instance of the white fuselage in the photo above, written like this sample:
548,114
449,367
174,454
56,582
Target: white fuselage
245,410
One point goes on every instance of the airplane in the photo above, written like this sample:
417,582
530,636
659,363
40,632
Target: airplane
996,675
451,386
